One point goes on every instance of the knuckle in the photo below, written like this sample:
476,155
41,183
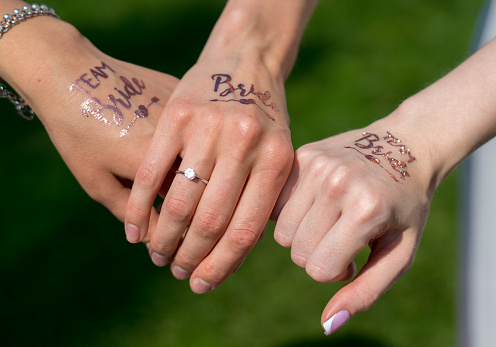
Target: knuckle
210,225
318,273
371,207
185,261
244,237
212,273
278,151
283,239
249,127
335,181
161,246
181,112
246,133
177,209
145,175
323,273
134,211
305,153
299,259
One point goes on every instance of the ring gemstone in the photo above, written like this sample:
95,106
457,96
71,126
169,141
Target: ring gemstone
190,174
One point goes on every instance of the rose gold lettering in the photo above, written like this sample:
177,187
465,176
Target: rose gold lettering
99,71
94,107
369,139
373,143
88,81
243,92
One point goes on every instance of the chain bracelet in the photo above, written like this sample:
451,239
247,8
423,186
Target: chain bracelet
9,21
21,106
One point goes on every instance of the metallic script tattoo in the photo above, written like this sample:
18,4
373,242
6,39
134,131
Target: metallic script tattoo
243,92
375,144
94,107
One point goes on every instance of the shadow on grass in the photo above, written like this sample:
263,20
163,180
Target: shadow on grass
341,341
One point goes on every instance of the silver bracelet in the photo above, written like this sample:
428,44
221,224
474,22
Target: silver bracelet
9,21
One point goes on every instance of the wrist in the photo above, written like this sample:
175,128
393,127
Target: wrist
249,31
437,146
54,47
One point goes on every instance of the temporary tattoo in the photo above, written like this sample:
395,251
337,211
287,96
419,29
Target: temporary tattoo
97,72
93,107
129,91
375,144
374,160
263,97
247,102
141,112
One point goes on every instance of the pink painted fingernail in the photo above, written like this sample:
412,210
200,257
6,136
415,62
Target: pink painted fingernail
132,233
180,273
336,322
201,287
159,260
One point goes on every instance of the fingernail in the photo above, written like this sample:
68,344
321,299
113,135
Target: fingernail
201,287
180,273
336,322
132,233
159,260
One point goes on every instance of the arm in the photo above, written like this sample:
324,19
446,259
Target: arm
86,100
357,189
228,121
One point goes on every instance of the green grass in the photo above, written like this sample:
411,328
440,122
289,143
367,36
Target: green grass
69,278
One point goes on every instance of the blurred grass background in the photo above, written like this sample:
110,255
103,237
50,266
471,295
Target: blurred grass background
69,278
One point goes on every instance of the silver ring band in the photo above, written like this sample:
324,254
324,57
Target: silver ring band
191,175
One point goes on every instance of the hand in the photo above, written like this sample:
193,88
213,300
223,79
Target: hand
99,112
224,126
345,193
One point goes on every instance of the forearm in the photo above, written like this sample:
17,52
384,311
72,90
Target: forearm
37,50
259,31
452,117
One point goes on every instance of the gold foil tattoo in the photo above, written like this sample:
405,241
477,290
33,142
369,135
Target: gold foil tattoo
119,101
372,147
263,97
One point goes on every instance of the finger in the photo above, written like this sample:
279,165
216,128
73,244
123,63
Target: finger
158,160
350,234
287,191
169,178
212,216
315,225
293,211
177,210
243,232
113,193
388,261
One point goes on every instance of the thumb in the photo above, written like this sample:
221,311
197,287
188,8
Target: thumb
387,262
116,196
